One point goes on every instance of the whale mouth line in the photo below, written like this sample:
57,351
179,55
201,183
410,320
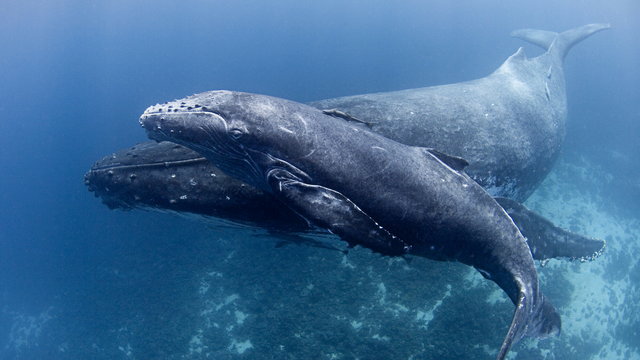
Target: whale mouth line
150,165
177,112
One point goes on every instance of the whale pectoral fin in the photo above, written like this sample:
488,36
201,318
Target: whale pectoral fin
333,211
546,240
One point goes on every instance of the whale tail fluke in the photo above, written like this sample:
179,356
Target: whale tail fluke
549,323
559,43
540,322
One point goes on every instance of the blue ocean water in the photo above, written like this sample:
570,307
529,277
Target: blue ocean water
80,281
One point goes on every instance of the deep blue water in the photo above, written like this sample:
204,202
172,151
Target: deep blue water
75,75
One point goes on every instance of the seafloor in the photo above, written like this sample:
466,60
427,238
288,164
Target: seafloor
197,292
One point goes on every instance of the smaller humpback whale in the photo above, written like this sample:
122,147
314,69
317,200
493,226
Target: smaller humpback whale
371,191
168,177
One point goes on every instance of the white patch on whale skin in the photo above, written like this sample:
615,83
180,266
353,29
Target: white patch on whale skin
519,87
509,75
547,92
310,153
285,129
263,108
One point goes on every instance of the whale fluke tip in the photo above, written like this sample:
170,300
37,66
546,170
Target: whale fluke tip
559,43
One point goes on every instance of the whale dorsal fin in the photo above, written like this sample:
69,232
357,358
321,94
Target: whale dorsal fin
518,55
454,162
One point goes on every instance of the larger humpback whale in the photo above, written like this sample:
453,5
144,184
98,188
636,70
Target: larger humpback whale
509,125
370,190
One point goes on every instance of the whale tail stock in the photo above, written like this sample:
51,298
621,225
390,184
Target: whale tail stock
559,43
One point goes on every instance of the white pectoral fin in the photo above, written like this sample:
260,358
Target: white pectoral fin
333,211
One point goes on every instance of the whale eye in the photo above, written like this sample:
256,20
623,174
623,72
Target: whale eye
236,133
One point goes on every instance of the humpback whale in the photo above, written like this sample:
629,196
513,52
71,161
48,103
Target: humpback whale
371,191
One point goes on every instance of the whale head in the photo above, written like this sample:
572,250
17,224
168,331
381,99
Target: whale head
238,132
